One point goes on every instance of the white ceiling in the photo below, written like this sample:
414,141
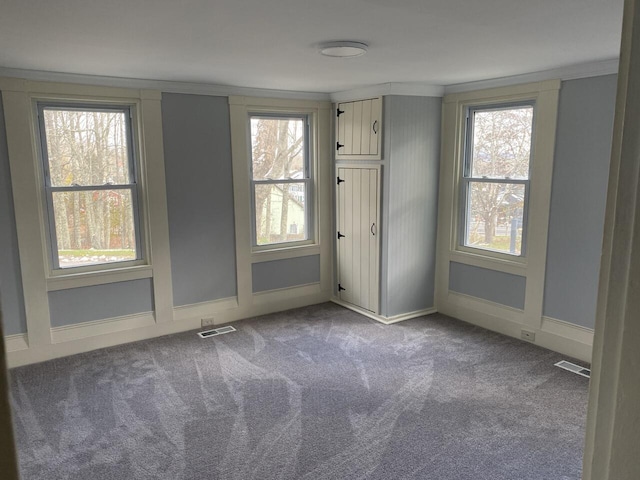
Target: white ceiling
273,43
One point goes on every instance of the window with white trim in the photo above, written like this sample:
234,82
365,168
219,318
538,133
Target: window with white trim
281,179
91,185
495,177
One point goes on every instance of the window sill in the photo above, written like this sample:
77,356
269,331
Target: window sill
88,279
517,266
282,253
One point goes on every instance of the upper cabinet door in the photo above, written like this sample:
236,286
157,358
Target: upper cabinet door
359,130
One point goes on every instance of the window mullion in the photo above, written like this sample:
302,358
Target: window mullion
514,181
89,188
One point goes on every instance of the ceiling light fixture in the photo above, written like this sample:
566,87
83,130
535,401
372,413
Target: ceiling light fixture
343,49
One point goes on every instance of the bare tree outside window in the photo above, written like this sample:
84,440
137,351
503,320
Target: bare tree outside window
496,177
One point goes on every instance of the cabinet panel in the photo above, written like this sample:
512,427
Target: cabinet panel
365,139
347,119
358,247
358,130
376,126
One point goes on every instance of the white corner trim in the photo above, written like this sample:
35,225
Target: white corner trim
411,89
17,342
203,309
96,328
382,319
162,85
570,72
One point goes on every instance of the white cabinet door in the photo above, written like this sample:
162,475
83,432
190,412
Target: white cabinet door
358,130
358,246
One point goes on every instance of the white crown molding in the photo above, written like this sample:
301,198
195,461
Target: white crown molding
162,85
571,72
583,70
412,89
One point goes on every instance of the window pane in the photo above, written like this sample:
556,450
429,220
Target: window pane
277,148
94,227
87,147
495,216
280,213
502,143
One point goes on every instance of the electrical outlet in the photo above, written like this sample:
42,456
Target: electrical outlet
208,322
528,335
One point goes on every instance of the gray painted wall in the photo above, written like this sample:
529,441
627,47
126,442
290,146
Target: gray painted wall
197,152
578,198
85,304
498,287
14,319
285,273
409,203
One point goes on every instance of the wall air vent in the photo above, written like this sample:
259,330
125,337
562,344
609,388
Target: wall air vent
216,331
572,367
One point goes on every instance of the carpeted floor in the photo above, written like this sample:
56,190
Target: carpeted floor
318,393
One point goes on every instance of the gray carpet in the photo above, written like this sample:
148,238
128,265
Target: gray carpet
318,393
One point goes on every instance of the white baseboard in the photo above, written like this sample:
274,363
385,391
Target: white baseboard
410,315
557,335
284,295
204,309
84,330
568,330
383,319
87,336
15,343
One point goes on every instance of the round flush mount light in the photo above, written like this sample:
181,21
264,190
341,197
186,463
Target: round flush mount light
343,49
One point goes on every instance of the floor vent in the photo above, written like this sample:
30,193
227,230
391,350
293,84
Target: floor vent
216,331
572,367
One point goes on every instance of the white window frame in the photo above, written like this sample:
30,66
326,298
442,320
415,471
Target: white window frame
134,168
544,95
308,180
532,265
319,114
240,111
466,179
19,98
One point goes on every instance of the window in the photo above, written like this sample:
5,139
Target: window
280,179
91,187
495,177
